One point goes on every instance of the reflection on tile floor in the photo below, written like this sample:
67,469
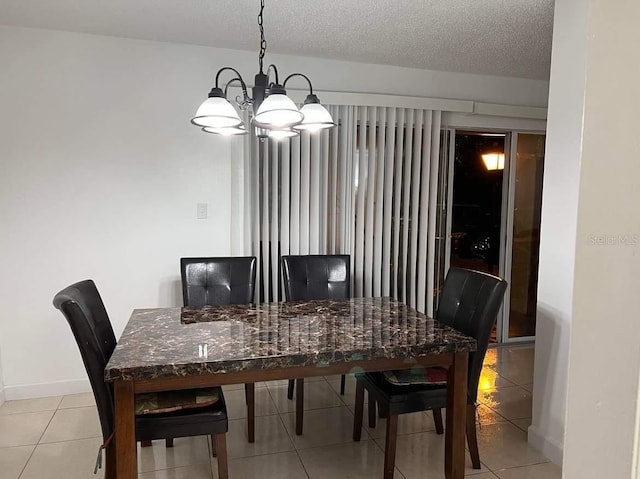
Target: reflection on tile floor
59,436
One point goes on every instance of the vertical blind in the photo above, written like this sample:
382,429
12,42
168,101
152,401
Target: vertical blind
367,188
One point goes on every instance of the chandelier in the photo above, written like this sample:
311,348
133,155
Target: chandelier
275,114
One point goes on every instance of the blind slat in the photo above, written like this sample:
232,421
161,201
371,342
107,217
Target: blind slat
315,183
380,176
370,195
248,188
255,192
361,196
294,223
415,204
433,205
275,219
406,200
344,209
324,192
388,201
264,237
334,190
285,198
424,212
304,192
397,207
352,185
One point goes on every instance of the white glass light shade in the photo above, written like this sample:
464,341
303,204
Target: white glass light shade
278,111
282,134
216,112
316,117
226,131
493,161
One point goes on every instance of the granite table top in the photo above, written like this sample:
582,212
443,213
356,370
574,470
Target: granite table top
170,342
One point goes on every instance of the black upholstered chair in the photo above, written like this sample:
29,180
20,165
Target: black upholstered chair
84,310
314,277
216,282
469,302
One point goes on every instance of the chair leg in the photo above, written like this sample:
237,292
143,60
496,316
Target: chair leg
390,446
359,411
250,390
343,383
290,389
372,411
213,445
168,442
437,418
246,394
110,462
472,438
221,450
145,443
382,412
299,405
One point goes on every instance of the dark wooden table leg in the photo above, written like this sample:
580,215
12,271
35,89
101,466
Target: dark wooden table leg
221,451
454,456
110,462
251,411
390,446
126,452
358,412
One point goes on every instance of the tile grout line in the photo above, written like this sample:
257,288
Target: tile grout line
295,449
495,471
37,443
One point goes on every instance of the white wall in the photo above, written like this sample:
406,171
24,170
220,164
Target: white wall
558,229
604,354
101,173
587,356
1,384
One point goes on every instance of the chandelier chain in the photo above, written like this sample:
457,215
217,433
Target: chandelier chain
263,41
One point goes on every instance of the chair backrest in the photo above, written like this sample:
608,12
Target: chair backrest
317,277
218,281
470,302
82,305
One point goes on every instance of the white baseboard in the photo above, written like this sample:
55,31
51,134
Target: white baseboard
57,388
547,446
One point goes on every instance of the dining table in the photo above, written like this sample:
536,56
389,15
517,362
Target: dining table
165,349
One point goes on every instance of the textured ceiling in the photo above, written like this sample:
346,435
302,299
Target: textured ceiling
495,37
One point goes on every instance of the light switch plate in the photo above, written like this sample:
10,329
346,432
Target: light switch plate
203,211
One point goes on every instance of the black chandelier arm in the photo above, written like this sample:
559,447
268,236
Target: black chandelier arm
284,84
275,71
244,88
239,78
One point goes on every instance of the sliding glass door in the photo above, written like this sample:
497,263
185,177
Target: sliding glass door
492,198
523,238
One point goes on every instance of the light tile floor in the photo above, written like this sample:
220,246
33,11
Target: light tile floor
58,437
